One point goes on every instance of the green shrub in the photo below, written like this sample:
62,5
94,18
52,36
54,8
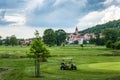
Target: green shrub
75,42
7,55
109,44
117,45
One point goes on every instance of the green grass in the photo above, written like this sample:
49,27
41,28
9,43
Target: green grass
90,66
111,66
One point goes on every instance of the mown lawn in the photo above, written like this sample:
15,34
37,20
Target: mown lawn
86,59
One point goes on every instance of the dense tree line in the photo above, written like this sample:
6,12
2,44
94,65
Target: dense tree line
111,32
99,28
108,34
12,40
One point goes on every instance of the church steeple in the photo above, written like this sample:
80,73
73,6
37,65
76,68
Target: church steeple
76,30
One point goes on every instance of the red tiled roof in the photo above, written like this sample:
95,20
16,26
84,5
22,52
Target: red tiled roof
76,38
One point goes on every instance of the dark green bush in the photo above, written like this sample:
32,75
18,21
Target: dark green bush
117,45
7,55
113,46
75,42
109,44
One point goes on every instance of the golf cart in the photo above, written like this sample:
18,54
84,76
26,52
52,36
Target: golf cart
68,64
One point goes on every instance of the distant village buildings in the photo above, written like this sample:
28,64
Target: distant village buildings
25,41
76,36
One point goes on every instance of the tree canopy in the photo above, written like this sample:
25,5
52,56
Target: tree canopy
100,27
49,37
13,40
60,36
110,34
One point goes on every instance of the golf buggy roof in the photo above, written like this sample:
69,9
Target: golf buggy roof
67,58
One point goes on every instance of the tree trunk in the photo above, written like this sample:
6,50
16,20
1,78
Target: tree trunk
38,68
35,68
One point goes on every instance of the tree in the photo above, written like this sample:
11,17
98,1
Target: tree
0,40
92,41
110,34
60,36
7,41
13,40
49,37
81,45
39,52
109,44
99,40
116,45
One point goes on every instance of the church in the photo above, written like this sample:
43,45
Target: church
72,37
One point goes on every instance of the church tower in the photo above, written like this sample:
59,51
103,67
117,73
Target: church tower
76,31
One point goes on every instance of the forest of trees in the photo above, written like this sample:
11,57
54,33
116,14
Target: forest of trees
99,28
110,31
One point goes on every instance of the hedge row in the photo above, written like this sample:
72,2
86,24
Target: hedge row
115,45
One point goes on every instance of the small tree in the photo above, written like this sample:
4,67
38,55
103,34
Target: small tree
13,40
0,40
117,45
7,41
109,44
81,45
39,51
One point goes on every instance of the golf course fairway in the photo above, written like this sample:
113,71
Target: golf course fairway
113,66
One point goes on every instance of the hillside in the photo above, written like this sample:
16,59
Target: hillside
99,28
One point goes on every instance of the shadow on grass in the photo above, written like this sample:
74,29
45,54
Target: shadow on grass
37,76
113,78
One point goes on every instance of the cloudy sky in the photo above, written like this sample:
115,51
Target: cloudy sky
23,17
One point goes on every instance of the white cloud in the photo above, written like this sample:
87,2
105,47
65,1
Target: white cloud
81,2
108,2
20,31
18,19
99,17
25,31
111,2
110,14
54,12
32,4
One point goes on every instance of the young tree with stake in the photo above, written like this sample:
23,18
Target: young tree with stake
39,52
